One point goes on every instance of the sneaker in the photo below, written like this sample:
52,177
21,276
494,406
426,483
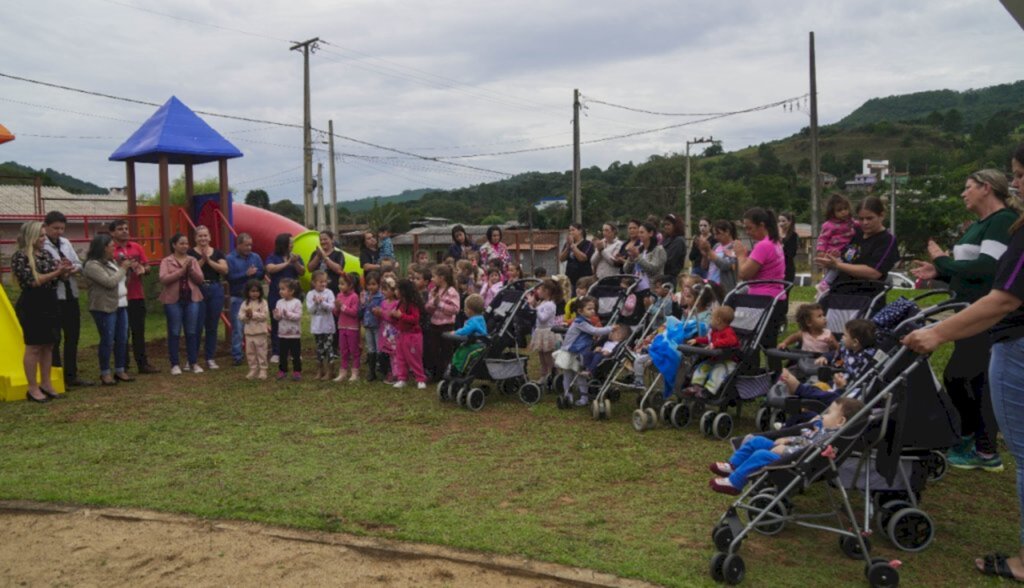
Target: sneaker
296,376
723,486
196,369
973,461
212,365
175,370
583,400
281,375
722,468
962,449
399,384
275,358
421,385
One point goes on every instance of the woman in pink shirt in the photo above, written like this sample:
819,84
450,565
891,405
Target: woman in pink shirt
766,261
442,306
181,279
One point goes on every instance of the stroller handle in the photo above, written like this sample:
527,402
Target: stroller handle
704,351
794,354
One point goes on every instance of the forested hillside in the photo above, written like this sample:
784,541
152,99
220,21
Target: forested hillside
12,173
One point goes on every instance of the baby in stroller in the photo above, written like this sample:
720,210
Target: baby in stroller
710,373
756,451
591,359
474,330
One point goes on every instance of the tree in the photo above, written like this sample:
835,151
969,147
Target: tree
953,122
177,190
289,209
258,198
713,150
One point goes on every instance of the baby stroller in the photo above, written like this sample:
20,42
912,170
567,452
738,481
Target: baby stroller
494,358
612,294
748,381
881,439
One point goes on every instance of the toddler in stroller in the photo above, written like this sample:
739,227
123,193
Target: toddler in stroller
709,374
593,358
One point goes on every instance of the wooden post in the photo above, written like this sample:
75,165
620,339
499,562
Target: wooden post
165,205
189,193
133,206
815,161
577,198
225,207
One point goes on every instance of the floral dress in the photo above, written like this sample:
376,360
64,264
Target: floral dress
37,306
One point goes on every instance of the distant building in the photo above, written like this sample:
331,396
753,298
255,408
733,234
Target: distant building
555,201
828,180
532,249
862,182
875,167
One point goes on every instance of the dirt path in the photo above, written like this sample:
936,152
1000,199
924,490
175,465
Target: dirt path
56,545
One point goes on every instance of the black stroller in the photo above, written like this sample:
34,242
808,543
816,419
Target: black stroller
495,357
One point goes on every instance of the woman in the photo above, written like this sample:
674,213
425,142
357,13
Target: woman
697,265
329,260
674,243
999,313
108,305
632,230
870,255
369,253
181,279
214,267
646,261
764,262
606,250
494,249
576,254
721,257
37,273
790,243
461,245
280,264
970,271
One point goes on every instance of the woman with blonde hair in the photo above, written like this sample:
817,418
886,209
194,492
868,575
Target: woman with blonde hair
37,273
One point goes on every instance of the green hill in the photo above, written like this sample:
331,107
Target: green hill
49,176
366,204
973,106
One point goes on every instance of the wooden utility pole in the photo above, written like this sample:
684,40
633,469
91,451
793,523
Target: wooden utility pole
689,225
307,138
892,200
321,215
577,200
815,161
334,181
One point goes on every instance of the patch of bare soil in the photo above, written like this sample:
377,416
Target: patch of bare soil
58,545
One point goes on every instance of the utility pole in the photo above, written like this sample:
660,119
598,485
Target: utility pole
815,161
702,140
321,215
307,139
334,182
577,200
892,200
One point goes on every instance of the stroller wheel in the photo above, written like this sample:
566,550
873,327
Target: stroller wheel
717,567
652,417
460,396
706,420
530,394
442,391
665,412
680,416
595,410
723,537
557,383
475,399
885,511
733,569
770,525
763,419
911,529
882,575
606,405
640,423
938,465
721,428
851,547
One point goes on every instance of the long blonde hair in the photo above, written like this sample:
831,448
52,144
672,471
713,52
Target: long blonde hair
27,237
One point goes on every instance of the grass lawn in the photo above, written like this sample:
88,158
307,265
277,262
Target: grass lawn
368,459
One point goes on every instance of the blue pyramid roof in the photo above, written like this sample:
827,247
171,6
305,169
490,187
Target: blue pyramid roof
174,130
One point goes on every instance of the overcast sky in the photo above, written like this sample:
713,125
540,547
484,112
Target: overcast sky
456,77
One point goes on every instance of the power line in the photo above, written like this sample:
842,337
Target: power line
200,23
643,111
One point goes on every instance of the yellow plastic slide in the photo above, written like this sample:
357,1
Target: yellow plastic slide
13,385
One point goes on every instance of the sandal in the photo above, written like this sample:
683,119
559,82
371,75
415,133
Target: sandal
995,564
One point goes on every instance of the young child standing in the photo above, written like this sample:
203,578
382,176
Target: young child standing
443,305
371,299
710,373
288,313
385,244
387,334
255,318
836,233
409,346
582,287
545,341
579,340
347,306
320,304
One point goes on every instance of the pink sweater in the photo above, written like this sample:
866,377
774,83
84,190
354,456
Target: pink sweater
347,306
835,236
443,308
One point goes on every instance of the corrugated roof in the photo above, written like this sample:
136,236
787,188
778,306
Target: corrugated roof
20,199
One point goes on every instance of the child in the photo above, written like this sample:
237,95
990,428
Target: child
540,273
710,373
370,299
854,355
409,346
662,302
475,323
544,341
757,451
347,307
579,339
492,286
620,332
385,245
685,296
582,287
320,304
442,307
836,233
515,272
288,313
387,334
423,257
813,334
254,317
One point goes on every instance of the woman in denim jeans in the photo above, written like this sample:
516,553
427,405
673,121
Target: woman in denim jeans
107,289
181,295
999,312
214,267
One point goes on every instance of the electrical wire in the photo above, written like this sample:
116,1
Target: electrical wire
688,114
